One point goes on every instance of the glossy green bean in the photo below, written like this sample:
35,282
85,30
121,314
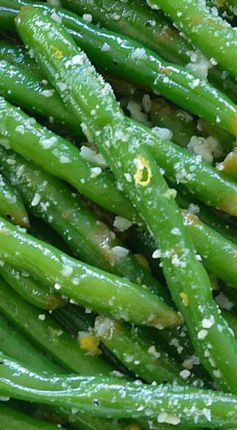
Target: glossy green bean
214,36
11,205
60,158
171,403
136,20
90,287
86,236
30,289
44,332
122,143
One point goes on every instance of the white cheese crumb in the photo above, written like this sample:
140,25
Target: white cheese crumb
156,254
36,199
120,252
202,334
121,224
87,17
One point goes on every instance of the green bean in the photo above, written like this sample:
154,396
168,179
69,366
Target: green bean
82,283
60,158
30,289
11,419
15,344
122,143
86,236
214,36
44,332
136,20
101,396
11,205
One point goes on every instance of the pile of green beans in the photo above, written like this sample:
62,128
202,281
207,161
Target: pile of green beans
118,206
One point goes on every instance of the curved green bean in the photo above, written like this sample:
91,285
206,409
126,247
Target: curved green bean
122,143
90,287
11,205
170,403
30,289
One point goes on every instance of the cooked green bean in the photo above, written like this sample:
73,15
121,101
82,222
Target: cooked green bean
136,20
90,287
111,397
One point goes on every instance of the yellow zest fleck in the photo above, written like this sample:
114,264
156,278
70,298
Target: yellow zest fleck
184,298
90,344
133,427
57,53
143,174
